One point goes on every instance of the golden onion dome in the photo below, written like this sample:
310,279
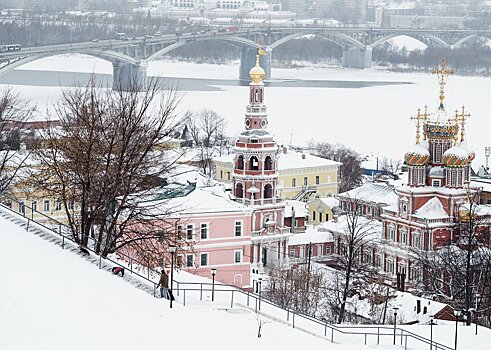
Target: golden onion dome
257,73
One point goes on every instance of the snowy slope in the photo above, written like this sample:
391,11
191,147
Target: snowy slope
52,299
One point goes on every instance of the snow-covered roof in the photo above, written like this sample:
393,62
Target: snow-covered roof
433,209
330,201
290,160
370,228
481,182
213,199
299,207
379,193
313,234
295,160
406,304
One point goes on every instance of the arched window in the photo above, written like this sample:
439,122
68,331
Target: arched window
240,162
268,191
268,163
253,163
239,191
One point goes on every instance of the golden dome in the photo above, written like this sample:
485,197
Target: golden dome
257,73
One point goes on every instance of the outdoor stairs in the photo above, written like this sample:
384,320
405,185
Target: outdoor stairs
53,237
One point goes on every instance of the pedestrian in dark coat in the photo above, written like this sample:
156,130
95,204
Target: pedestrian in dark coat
164,286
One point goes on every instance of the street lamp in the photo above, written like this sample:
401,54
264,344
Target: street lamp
457,314
478,296
260,281
172,250
213,273
395,322
431,331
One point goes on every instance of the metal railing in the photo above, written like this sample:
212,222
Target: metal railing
257,302
62,231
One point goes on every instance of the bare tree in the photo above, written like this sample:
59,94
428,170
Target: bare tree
358,233
460,269
14,112
298,289
350,170
103,161
206,128
390,165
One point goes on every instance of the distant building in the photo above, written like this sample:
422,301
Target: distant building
301,176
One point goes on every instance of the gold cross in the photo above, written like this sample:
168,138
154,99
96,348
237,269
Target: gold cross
441,73
463,116
418,118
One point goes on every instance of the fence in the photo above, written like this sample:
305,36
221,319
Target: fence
239,297
62,231
369,335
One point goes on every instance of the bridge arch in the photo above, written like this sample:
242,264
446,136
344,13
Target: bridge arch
109,56
344,37
417,37
184,42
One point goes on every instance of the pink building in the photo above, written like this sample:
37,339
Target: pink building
213,231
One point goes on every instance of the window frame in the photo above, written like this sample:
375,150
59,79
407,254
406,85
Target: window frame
193,232
235,256
207,262
238,224
207,226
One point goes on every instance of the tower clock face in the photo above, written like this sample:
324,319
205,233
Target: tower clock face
248,123
263,123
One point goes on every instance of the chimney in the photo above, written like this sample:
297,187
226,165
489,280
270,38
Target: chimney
303,155
285,149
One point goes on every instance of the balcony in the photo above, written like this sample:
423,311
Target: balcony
258,202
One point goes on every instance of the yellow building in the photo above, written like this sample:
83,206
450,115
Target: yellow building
301,176
321,209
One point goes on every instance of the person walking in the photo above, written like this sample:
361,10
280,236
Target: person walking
164,285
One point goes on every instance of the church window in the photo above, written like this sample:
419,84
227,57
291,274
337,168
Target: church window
438,152
239,191
292,252
404,236
240,162
392,233
436,183
268,163
268,191
390,266
416,240
254,163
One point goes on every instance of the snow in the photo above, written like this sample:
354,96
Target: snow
312,234
331,201
64,302
432,209
404,41
295,160
299,207
347,114
290,160
379,193
458,151
180,200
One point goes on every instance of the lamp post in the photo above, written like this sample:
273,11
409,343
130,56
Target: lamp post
213,273
457,314
477,300
260,281
395,322
172,250
431,331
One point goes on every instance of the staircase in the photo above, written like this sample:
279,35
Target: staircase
65,242
306,190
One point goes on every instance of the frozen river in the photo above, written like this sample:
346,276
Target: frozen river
368,110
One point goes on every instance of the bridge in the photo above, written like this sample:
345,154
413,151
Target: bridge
130,58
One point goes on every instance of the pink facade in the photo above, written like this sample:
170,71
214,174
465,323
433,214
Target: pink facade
221,241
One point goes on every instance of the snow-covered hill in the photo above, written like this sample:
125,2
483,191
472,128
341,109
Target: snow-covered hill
52,299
